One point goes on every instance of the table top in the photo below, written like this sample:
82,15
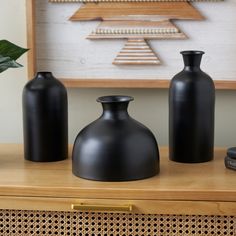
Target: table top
209,181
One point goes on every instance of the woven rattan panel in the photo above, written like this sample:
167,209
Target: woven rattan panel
13,222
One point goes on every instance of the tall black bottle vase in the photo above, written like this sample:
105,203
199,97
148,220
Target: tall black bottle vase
45,119
191,112
115,147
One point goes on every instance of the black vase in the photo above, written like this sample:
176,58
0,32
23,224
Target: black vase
115,147
45,119
191,112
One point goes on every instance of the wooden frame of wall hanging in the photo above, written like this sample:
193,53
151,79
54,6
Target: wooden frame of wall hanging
91,82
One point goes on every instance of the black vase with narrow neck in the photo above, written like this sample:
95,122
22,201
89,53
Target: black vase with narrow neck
191,112
45,119
115,147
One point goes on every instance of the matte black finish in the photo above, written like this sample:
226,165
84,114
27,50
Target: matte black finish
45,119
191,112
115,147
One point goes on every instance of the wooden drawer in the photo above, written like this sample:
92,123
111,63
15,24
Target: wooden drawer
120,206
36,199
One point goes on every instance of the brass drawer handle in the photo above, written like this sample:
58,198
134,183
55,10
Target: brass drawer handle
97,207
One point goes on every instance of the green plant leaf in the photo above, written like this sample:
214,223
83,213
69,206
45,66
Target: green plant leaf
7,62
8,49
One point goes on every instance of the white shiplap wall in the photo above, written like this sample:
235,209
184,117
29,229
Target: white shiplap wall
62,46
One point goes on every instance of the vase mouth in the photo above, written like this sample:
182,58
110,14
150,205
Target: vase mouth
192,52
115,99
44,74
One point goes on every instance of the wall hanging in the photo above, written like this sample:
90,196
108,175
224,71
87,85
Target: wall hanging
66,37
136,21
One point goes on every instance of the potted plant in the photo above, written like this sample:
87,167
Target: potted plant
9,53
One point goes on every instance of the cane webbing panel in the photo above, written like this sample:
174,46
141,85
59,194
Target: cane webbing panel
23,223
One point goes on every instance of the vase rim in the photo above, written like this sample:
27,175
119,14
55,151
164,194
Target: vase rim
191,52
44,72
115,99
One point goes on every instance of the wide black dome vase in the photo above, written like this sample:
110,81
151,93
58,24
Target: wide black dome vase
191,112
115,147
45,119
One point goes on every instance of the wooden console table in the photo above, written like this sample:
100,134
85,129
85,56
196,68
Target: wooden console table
184,199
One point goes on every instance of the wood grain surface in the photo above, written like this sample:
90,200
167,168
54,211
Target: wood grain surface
137,11
31,40
186,182
138,206
97,1
134,83
136,52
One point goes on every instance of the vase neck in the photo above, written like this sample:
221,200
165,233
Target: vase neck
115,107
192,59
115,111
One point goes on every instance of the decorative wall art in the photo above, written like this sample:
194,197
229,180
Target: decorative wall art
136,21
65,37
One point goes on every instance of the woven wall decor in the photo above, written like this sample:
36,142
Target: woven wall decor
136,21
